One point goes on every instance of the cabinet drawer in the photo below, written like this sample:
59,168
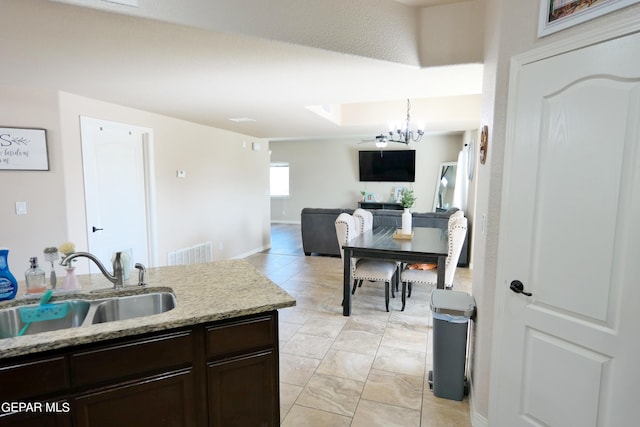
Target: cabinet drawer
241,336
132,358
30,379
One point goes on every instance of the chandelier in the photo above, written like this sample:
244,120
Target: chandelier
403,132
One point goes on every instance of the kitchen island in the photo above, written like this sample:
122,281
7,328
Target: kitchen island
212,360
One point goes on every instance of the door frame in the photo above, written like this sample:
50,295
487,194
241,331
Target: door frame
626,25
149,182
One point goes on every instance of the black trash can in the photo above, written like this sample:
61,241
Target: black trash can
451,313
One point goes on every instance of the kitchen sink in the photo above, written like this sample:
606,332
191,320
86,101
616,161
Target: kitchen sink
11,323
82,313
129,307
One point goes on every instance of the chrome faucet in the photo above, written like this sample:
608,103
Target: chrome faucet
117,278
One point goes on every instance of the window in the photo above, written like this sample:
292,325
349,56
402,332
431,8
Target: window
279,179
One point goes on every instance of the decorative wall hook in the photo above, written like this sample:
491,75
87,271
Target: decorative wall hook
484,144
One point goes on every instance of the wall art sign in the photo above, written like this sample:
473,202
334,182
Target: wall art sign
23,149
556,15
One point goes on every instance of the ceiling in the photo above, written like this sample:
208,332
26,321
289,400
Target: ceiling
209,77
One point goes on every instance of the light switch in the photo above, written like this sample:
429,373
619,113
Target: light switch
21,208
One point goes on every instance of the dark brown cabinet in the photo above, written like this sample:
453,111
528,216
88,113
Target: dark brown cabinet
380,205
241,362
165,400
217,374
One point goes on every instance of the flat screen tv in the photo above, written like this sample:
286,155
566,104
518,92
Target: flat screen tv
387,166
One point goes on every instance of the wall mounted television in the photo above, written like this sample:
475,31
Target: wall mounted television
387,166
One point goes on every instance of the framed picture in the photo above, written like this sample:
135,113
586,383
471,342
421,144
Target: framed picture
23,149
397,194
556,15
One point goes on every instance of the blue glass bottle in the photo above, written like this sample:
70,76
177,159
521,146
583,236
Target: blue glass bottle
8,283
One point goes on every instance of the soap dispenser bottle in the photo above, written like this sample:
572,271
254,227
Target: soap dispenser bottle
35,277
8,283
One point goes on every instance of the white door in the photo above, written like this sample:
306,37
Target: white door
115,191
568,355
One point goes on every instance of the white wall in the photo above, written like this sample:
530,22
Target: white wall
45,223
224,197
510,29
324,174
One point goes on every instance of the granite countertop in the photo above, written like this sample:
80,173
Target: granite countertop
204,293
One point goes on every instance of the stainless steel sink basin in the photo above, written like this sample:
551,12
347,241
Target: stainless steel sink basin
129,307
11,324
82,313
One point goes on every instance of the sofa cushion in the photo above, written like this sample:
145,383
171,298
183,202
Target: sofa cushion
318,227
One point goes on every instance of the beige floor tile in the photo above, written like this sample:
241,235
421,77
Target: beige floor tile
393,343
372,324
332,394
376,414
297,370
409,322
294,315
357,342
308,346
400,361
300,416
288,395
408,340
394,389
346,365
287,330
438,412
323,326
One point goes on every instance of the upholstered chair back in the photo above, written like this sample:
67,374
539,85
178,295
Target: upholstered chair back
364,219
457,232
454,217
345,230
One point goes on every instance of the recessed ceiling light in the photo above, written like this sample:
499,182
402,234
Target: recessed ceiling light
242,119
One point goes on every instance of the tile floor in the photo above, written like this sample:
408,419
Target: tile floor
369,369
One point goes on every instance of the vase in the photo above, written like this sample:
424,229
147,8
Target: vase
71,280
406,221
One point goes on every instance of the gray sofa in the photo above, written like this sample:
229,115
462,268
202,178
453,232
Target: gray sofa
319,232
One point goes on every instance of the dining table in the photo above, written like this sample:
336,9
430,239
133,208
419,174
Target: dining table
423,245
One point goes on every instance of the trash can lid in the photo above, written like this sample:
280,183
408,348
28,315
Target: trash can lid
452,302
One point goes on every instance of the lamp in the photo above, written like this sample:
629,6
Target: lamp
401,131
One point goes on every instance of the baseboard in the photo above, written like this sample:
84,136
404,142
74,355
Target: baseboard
252,252
477,420
283,221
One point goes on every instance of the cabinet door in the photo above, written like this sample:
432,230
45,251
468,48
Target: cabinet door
243,391
166,400
44,419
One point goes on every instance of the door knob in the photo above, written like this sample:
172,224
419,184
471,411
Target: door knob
96,229
517,287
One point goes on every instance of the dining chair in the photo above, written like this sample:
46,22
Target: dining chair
408,276
364,219
364,269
